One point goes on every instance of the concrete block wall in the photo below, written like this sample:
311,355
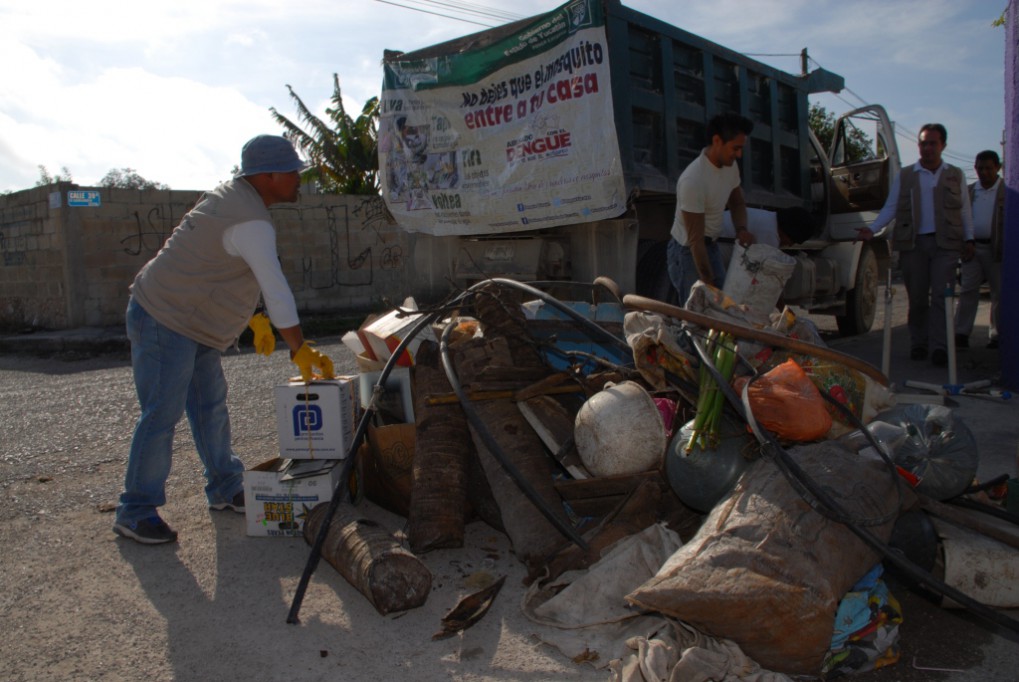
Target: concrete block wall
32,261
63,266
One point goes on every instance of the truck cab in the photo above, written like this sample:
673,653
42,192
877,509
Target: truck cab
836,273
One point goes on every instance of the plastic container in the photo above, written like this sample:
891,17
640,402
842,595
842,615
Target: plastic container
620,431
979,567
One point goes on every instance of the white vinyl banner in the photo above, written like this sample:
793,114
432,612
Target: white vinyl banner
515,134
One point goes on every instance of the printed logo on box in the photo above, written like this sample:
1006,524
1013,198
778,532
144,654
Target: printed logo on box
307,418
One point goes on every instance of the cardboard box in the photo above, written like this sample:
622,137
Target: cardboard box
277,499
317,420
397,400
388,466
383,335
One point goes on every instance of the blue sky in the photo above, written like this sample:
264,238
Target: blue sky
173,89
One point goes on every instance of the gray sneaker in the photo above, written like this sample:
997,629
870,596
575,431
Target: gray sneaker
236,504
150,531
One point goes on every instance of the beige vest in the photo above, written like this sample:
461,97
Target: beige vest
948,228
193,286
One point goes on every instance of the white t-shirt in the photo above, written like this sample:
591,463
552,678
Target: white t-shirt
704,188
983,209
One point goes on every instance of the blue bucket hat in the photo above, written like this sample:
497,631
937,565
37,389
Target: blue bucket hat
269,154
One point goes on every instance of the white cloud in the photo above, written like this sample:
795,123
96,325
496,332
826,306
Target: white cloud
173,89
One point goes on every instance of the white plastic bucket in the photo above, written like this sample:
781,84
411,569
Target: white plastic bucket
619,431
756,276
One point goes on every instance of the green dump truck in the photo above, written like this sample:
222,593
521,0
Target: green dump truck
549,149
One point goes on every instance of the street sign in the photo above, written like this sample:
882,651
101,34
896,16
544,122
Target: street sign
83,198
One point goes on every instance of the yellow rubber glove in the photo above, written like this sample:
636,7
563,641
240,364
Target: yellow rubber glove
307,357
265,340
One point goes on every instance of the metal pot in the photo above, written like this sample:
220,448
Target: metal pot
700,478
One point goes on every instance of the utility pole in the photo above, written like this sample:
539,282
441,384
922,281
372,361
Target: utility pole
1008,316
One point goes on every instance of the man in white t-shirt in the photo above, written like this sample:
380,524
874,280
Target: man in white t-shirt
709,185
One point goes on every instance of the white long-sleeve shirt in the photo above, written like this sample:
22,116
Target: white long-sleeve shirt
255,242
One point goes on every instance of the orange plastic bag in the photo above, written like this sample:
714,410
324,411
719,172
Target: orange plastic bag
786,402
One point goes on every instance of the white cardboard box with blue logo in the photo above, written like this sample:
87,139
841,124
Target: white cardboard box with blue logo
317,420
278,494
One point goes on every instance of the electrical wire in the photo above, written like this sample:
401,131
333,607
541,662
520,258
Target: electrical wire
901,132
438,8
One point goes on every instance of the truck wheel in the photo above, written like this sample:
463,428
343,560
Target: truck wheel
861,302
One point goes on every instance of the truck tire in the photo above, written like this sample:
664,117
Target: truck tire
861,301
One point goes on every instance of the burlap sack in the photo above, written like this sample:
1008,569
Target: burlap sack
766,570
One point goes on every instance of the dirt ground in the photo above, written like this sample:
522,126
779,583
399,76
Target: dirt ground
82,604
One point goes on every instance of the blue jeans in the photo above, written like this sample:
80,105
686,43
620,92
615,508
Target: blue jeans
174,375
683,271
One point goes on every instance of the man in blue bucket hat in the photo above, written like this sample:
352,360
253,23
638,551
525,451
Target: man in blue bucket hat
188,305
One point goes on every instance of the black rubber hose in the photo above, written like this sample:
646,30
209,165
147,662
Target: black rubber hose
990,510
986,485
342,491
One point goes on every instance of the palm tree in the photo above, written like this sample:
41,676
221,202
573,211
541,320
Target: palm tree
343,151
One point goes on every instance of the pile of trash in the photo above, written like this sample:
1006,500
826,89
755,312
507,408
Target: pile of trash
693,491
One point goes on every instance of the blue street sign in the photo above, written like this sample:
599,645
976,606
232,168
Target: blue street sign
80,197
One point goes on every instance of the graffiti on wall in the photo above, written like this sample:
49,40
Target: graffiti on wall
356,235
14,220
14,250
150,232
375,217
361,240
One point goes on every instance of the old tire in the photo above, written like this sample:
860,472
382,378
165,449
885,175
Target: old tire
861,301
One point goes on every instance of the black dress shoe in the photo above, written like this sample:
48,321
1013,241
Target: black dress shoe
939,358
918,353
961,341
993,343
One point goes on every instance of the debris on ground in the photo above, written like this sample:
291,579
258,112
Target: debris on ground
723,489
